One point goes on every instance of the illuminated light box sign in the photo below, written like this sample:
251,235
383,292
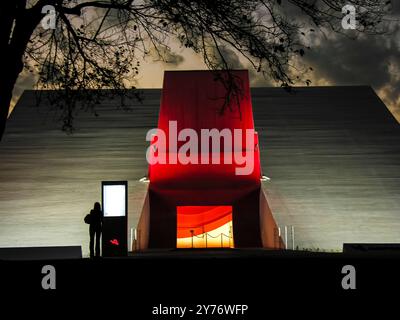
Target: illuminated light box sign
115,212
114,201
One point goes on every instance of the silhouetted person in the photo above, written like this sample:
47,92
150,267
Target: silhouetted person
95,220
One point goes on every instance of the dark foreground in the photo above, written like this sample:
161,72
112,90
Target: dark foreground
157,282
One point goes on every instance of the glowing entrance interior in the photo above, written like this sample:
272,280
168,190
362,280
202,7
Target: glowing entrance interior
204,227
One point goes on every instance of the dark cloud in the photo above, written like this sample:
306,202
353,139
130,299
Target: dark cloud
166,56
347,61
231,57
368,60
338,59
395,7
235,62
173,58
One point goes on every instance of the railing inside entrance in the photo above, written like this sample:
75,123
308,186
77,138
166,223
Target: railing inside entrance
207,240
284,238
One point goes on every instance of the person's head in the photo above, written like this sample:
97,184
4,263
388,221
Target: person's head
97,206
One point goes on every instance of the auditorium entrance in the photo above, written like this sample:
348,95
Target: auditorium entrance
204,227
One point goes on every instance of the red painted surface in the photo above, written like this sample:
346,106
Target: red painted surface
194,99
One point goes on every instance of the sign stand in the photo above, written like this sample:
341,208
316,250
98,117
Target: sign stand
115,218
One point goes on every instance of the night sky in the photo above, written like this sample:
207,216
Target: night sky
336,59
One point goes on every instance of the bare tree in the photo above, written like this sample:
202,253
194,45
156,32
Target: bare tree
100,44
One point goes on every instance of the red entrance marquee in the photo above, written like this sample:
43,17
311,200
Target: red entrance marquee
200,200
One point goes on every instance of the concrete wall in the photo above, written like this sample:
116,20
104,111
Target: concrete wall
332,153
